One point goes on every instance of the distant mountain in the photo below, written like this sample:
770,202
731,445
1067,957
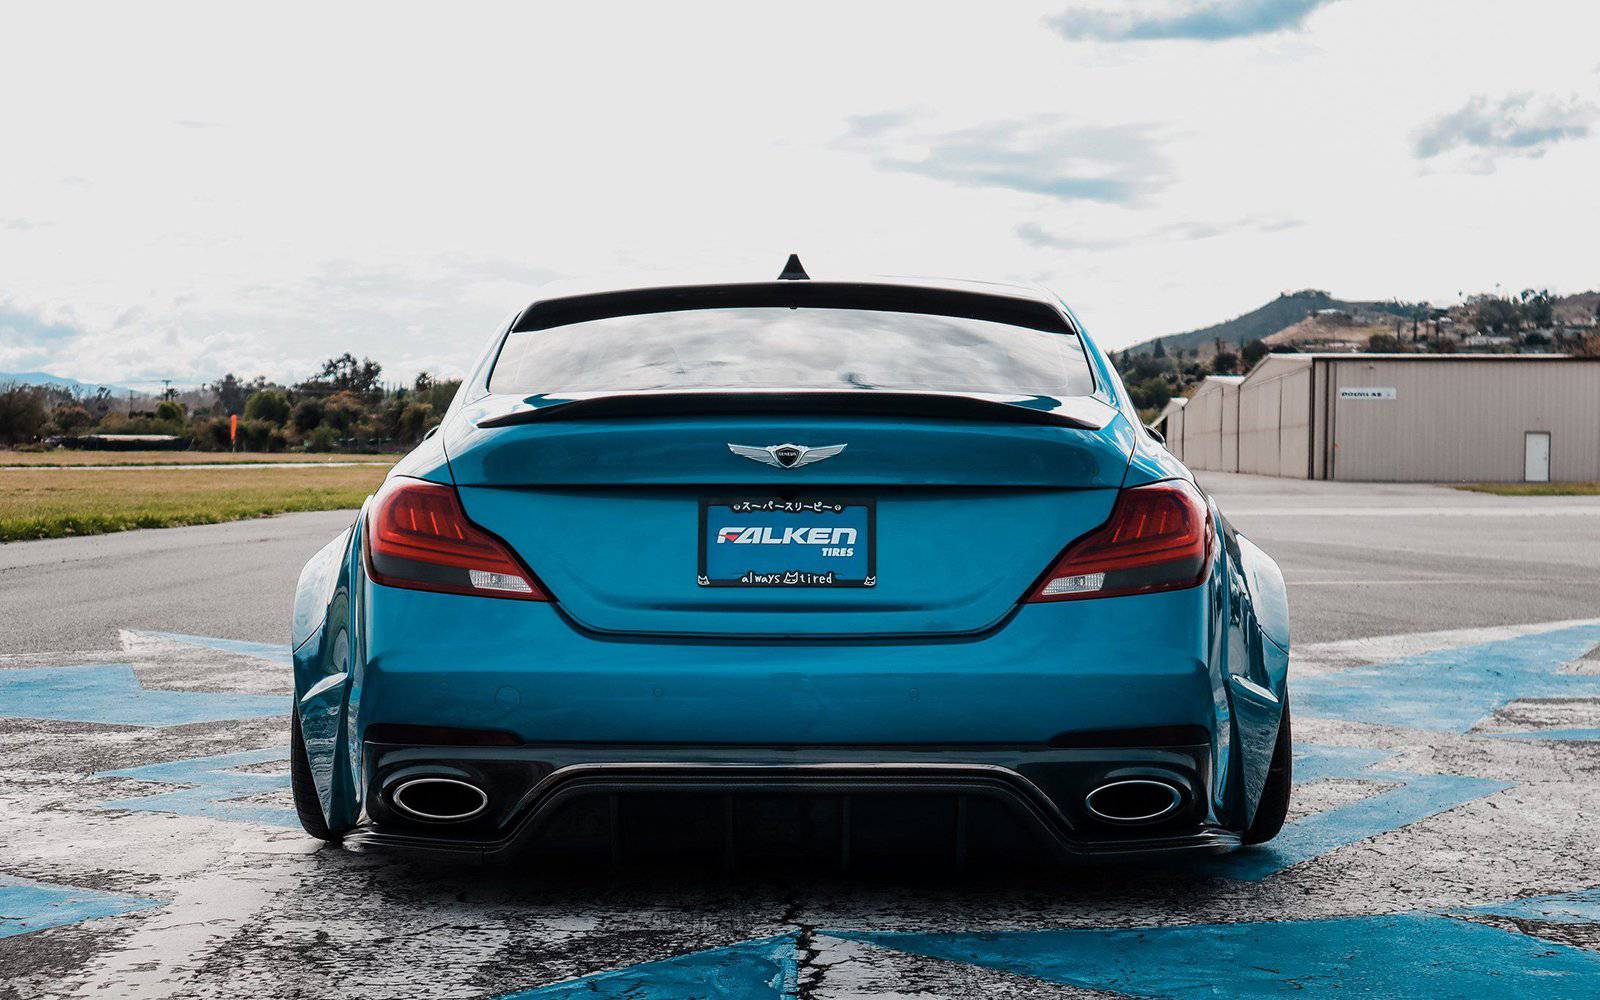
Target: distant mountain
59,382
1281,313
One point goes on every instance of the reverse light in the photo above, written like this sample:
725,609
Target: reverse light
1158,537
418,537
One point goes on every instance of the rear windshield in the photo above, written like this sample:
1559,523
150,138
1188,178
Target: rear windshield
792,348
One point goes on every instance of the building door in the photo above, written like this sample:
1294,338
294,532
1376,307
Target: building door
1536,457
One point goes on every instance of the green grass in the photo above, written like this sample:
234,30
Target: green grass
1535,489
46,503
66,456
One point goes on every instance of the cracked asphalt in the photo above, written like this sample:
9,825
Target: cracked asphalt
1443,841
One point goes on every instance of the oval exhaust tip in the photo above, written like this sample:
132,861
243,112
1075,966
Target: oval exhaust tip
1134,800
439,799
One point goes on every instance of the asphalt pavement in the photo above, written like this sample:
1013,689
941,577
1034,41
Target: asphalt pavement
1444,837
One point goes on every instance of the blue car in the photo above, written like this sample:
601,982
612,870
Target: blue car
853,567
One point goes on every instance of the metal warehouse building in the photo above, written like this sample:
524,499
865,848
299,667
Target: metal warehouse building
1396,418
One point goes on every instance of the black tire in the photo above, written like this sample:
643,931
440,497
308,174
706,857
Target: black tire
306,803
1274,806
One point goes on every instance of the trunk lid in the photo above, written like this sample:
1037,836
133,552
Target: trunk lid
618,515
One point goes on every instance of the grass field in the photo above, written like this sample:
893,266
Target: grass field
54,503
1535,489
62,456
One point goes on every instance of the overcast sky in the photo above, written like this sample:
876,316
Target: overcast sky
188,190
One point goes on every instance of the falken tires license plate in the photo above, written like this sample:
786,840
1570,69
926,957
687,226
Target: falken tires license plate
793,542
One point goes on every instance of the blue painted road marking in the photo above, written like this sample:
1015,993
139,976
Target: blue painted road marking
1561,908
212,788
1453,689
274,652
1417,797
1408,954
750,970
31,906
1557,735
112,694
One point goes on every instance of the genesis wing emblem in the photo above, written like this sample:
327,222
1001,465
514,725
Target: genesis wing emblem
786,456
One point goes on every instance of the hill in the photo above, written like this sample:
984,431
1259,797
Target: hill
72,385
1281,313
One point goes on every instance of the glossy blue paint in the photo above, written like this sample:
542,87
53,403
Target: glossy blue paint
1053,668
940,651
1453,689
212,787
1560,908
1414,798
1402,955
33,906
111,693
269,651
751,970
693,451
947,562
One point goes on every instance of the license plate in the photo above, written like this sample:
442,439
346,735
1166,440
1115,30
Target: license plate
789,542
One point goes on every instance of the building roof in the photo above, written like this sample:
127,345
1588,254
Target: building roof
1297,360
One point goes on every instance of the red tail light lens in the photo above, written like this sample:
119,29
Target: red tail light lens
418,537
1157,538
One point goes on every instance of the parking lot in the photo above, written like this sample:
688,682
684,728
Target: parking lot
1444,839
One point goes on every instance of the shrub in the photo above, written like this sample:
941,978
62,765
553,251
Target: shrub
22,413
308,414
269,405
324,438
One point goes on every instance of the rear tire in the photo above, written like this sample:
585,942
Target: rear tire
306,803
1274,806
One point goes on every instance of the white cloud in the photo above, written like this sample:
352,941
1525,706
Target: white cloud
1486,130
395,182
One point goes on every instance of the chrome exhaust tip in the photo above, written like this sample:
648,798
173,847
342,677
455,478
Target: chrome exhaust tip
1134,800
439,799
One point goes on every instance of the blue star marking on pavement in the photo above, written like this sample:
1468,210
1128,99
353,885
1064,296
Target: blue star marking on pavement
212,787
111,693
1453,689
27,906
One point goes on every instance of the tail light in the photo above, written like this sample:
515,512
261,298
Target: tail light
1157,538
418,537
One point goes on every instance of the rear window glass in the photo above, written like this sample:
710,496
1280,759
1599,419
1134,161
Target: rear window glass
792,348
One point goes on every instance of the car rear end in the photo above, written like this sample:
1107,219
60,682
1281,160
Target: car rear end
816,562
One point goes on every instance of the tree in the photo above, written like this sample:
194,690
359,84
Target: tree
1493,314
308,414
231,394
1537,307
71,420
269,405
22,413
1254,352
1225,363
1158,350
1151,394
343,412
169,411
346,374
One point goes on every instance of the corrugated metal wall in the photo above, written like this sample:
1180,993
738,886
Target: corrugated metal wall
1275,420
1209,438
1395,420
1464,421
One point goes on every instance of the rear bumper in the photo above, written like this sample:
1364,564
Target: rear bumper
840,802
520,667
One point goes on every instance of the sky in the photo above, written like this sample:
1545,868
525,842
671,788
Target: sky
187,190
